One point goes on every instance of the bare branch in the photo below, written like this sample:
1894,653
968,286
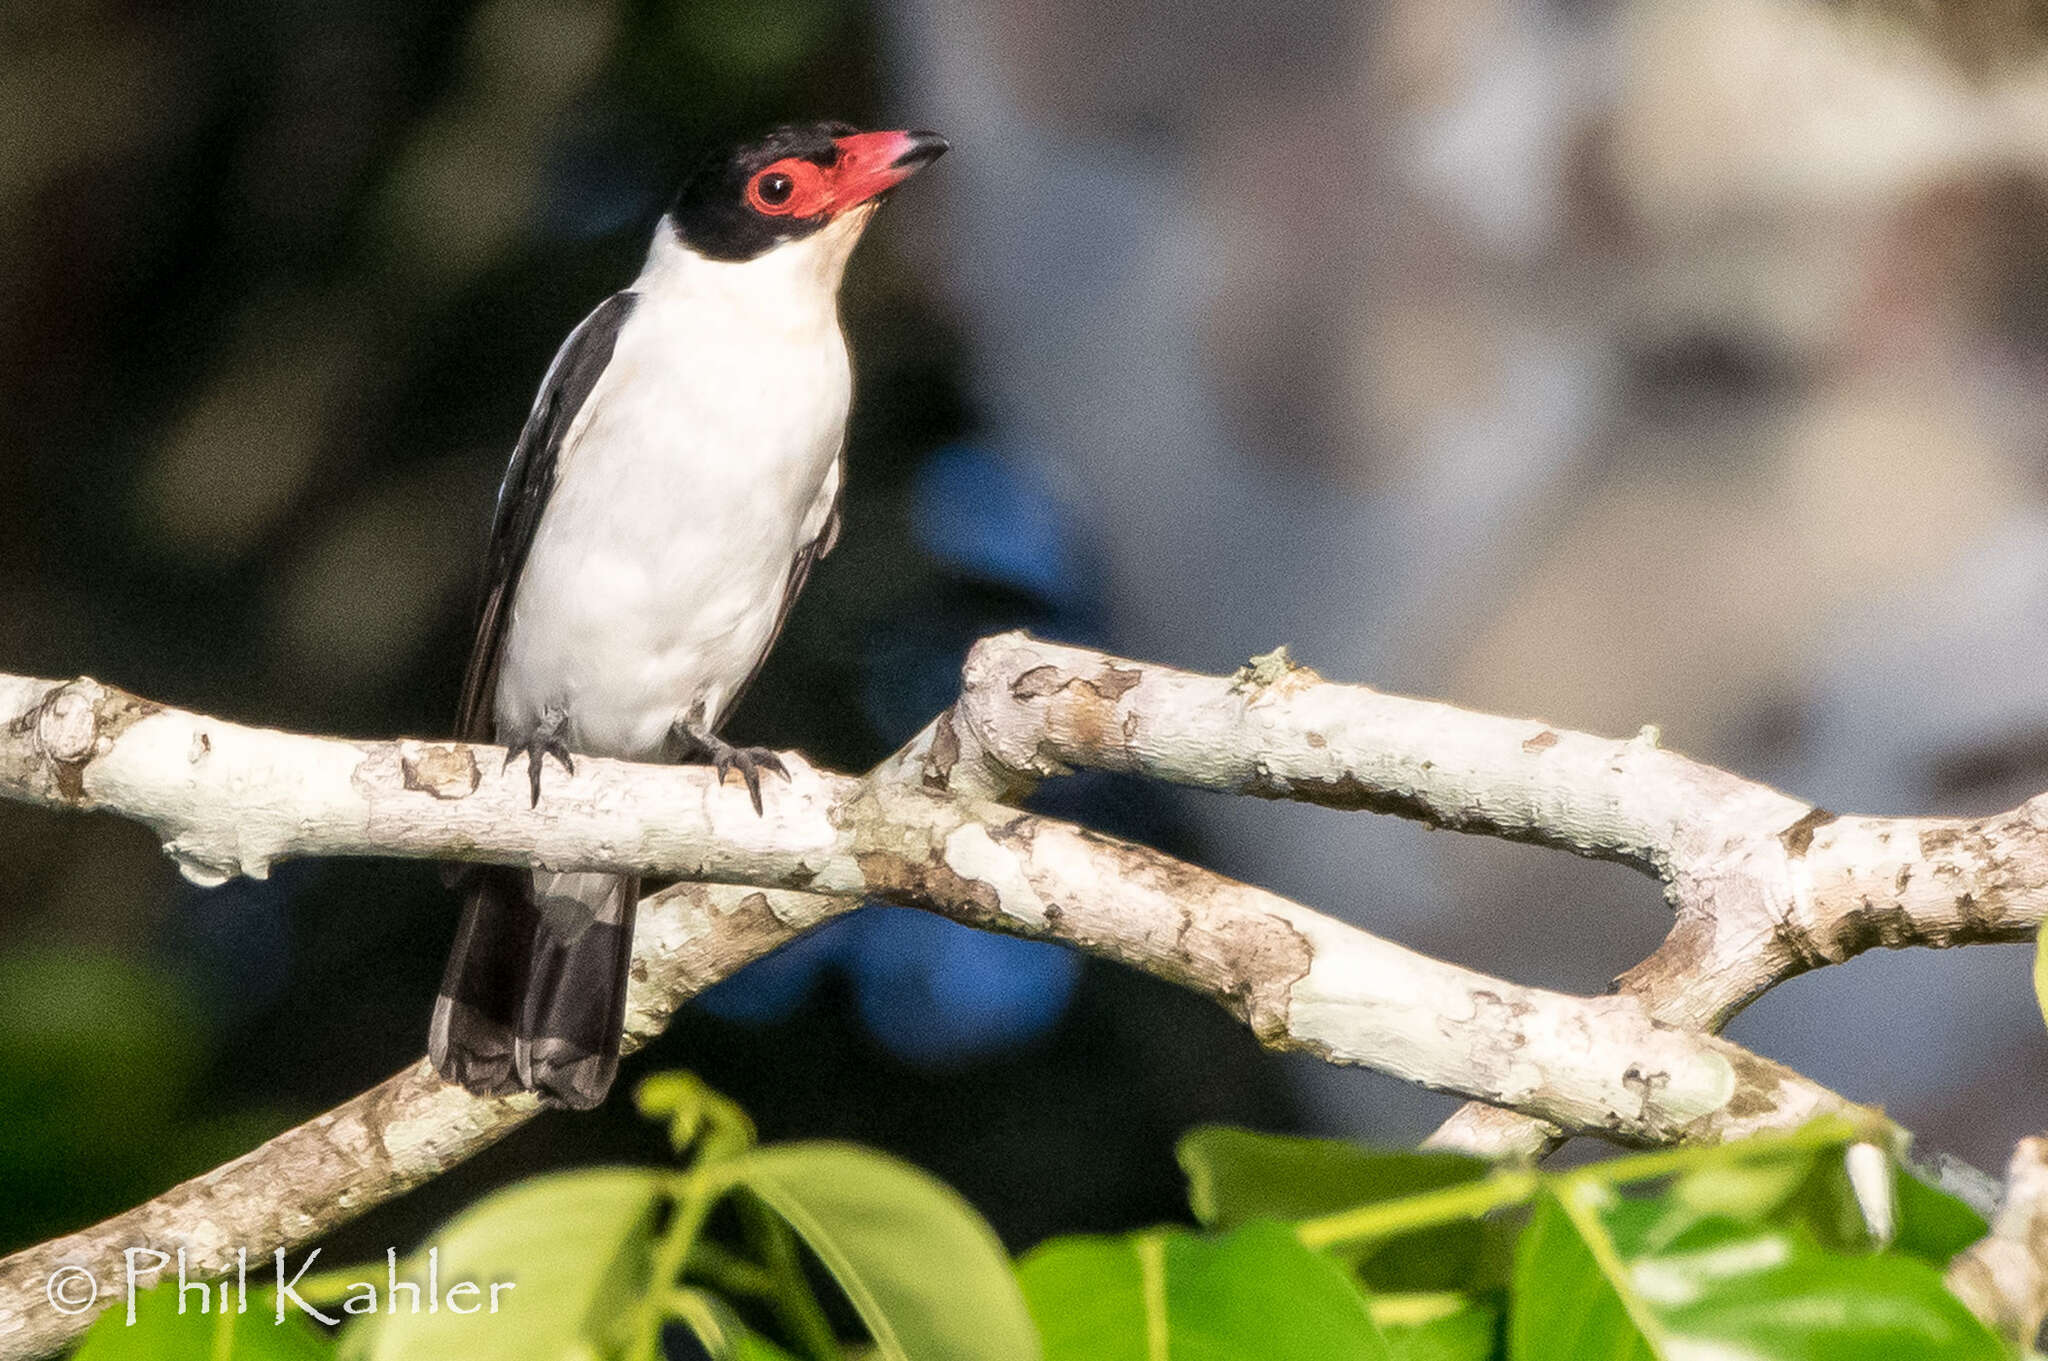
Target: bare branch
2004,1278
1764,887
229,799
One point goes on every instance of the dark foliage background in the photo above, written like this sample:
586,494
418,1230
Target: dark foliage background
1616,361
276,284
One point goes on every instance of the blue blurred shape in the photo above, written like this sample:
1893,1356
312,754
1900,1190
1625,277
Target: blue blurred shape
941,994
992,517
771,989
932,992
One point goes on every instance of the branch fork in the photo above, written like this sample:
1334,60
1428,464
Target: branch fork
1762,886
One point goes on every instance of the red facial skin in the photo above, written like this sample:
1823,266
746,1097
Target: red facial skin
867,166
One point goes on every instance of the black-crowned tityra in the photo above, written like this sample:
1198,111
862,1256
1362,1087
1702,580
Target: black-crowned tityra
676,480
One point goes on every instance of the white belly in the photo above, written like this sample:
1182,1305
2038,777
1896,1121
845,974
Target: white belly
697,469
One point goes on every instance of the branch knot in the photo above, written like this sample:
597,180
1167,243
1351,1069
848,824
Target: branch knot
67,722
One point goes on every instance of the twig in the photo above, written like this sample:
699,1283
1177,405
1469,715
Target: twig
2004,1277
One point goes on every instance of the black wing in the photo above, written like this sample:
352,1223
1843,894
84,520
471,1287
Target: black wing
799,573
480,1025
524,495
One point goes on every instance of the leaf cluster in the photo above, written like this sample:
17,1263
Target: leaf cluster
1816,1244
1320,1249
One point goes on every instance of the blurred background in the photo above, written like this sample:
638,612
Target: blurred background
1625,362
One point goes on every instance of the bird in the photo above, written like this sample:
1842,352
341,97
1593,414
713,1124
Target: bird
677,478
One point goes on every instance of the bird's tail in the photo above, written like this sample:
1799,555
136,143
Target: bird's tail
535,994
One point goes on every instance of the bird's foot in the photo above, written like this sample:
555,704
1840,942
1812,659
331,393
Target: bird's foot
700,744
545,740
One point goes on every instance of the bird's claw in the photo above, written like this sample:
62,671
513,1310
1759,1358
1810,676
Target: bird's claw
725,758
545,740
750,762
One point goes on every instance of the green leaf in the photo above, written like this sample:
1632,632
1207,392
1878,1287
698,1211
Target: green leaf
1169,1295
1746,1187
1469,1332
722,1332
1783,1186
1805,1188
1933,1225
925,1273
1566,1301
773,1245
698,1116
1803,1302
2041,970
1827,1208
1236,1176
161,1333
1722,1288
574,1246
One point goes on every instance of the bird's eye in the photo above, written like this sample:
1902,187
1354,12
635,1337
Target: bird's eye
791,188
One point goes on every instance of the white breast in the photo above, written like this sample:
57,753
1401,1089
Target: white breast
704,459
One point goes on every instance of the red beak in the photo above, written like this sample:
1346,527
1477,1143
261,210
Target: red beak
872,163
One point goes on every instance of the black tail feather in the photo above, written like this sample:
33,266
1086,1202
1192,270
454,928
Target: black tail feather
575,1004
476,1017
535,994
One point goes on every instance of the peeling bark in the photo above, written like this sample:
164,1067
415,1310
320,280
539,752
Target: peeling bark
1764,887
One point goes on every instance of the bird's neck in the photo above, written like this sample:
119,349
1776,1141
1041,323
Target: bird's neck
795,285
